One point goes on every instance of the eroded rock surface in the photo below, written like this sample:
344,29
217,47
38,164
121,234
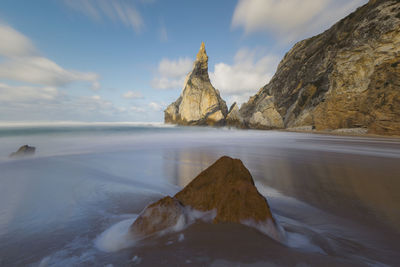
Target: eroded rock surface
226,188
199,103
346,77
23,151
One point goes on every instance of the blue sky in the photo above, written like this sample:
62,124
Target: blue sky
125,60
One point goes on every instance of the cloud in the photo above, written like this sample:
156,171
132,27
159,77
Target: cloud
40,70
13,43
26,93
171,73
251,70
290,20
156,106
132,95
137,109
22,63
117,11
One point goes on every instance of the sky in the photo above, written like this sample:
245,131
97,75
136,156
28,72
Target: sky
126,60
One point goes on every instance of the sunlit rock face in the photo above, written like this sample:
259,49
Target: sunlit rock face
199,103
346,77
226,188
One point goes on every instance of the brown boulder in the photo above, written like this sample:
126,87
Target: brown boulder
225,188
228,187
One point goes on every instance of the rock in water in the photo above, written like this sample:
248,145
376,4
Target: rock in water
161,215
226,188
346,77
199,103
23,151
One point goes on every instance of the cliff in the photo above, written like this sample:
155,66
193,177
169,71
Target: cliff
346,77
199,103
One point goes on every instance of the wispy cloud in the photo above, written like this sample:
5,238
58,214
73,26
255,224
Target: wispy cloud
118,11
132,95
10,93
290,20
171,73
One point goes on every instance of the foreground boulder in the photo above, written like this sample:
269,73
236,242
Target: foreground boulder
225,189
346,77
23,151
199,103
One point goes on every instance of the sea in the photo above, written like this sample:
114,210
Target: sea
336,198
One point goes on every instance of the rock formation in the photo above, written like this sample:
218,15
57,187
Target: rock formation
23,151
199,103
226,188
234,118
346,77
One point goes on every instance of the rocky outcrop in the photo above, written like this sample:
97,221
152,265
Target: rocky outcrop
347,77
225,188
23,151
199,103
234,119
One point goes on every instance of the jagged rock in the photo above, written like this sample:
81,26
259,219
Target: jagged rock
226,187
346,77
199,103
234,118
23,151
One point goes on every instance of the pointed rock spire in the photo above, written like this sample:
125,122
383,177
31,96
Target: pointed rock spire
199,103
202,54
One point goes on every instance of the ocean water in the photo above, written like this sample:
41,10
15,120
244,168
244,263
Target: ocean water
336,198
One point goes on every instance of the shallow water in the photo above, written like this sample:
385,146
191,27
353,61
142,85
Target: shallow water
71,204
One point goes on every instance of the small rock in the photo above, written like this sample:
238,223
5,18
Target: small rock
23,151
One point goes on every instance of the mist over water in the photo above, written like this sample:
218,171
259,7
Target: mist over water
336,197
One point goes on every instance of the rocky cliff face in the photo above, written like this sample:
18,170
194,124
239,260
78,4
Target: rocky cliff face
199,103
346,77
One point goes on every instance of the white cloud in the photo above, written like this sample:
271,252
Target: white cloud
251,70
115,10
22,63
171,73
137,109
291,20
13,43
40,70
26,93
156,106
132,95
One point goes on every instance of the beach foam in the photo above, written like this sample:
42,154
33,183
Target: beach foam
116,237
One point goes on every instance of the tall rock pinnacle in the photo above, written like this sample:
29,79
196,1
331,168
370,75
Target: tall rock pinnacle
199,103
